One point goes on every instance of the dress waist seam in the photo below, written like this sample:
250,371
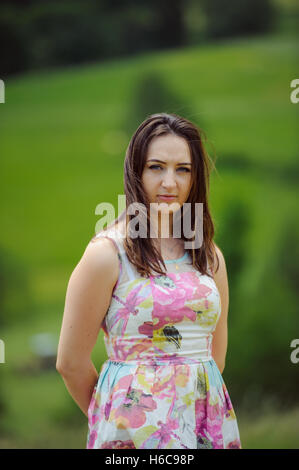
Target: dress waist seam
160,362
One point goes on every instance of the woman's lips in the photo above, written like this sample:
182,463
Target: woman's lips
167,198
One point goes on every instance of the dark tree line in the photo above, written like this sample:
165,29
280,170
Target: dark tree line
42,33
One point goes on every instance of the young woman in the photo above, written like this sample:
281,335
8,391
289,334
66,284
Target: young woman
162,304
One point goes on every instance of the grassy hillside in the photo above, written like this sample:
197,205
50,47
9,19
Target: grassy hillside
63,139
63,144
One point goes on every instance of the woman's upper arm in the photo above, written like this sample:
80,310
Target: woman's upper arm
88,297
220,335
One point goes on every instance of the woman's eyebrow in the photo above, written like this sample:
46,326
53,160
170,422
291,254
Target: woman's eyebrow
161,161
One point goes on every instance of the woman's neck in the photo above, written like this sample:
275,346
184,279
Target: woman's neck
162,226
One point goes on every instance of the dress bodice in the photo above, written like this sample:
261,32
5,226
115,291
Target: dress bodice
161,319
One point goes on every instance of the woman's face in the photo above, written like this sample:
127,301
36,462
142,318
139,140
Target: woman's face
167,170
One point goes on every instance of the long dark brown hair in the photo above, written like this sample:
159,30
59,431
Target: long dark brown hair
141,252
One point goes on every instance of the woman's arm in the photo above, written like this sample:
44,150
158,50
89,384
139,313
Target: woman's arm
88,297
220,335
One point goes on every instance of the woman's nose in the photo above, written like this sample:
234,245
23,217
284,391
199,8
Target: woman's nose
169,180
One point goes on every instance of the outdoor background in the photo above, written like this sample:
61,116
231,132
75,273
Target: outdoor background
79,78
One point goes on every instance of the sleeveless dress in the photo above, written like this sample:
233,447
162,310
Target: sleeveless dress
160,387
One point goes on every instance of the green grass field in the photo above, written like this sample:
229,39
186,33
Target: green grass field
63,141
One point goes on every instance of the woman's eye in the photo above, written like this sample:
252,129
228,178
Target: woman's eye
154,167
185,169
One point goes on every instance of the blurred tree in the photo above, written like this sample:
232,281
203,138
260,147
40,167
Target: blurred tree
137,25
152,95
15,299
2,399
171,27
288,253
64,32
263,315
234,224
15,56
194,21
237,17
39,33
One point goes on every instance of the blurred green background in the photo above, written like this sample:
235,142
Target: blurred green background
68,116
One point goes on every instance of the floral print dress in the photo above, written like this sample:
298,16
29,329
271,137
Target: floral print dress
160,387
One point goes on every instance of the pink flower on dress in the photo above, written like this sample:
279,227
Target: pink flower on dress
200,415
236,444
131,414
91,439
125,348
134,404
171,313
107,409
130,303
169,304
92,409
204,436
187,286
214,423
173,286
229,411
146,329
118,445
166,431
163,435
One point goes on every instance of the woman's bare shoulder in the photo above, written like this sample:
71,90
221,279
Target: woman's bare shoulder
219,261
101,258
217,250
